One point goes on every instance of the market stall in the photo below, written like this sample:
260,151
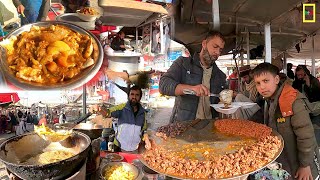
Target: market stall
130,14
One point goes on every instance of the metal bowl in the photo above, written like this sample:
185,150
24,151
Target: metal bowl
114,157
86,17
77,81
127,166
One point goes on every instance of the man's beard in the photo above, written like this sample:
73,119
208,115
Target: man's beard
208,59
301,81
133,103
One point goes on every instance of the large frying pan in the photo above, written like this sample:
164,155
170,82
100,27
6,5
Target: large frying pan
203,132
20,148
92,130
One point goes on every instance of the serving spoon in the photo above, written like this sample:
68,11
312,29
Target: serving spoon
191,92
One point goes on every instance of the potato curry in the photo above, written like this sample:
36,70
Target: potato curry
49,54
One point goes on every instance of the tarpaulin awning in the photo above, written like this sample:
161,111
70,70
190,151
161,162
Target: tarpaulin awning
9,97
4,105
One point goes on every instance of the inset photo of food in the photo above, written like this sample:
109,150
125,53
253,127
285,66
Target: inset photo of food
50,55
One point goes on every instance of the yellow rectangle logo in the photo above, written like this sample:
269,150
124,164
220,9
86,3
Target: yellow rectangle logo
309,13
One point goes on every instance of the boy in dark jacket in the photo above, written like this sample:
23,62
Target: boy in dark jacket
286,112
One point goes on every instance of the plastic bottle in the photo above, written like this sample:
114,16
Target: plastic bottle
104,145
111,143
1,31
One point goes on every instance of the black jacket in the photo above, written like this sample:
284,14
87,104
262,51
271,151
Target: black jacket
116,42
312,92
189,71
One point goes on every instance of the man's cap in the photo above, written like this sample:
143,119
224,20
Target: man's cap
244,70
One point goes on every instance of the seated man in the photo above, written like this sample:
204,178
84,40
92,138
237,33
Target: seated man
233,80
132,124
286,113
36,10
117,43
307,84
71,6
248,93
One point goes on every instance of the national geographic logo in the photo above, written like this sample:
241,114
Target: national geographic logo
309,13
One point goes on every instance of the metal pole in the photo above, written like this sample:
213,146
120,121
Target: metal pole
285,70
237,38
161,37
241,56
172,28
285,63
267,39
215,15
248,46
84,99
313,67
150,43
137,34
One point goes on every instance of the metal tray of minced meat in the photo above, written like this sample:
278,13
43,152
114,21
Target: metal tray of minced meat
198,140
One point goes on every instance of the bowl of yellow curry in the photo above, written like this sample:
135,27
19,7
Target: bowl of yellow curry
119,170
50,55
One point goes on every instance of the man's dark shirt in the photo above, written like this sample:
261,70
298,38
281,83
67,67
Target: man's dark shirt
116,42
290,74
312,92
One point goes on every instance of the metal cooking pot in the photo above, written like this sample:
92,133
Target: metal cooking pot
128,167
91,130
20,148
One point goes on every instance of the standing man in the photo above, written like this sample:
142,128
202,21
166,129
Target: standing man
132,124
35,10
249,93
62,118
233,80
290,73
199,74
306,83
117,43
43,120
71,6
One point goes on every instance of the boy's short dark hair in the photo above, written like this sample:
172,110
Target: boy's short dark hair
265,68
214,33
135,88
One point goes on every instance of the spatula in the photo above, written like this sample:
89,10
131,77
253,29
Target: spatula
199,123
191,92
